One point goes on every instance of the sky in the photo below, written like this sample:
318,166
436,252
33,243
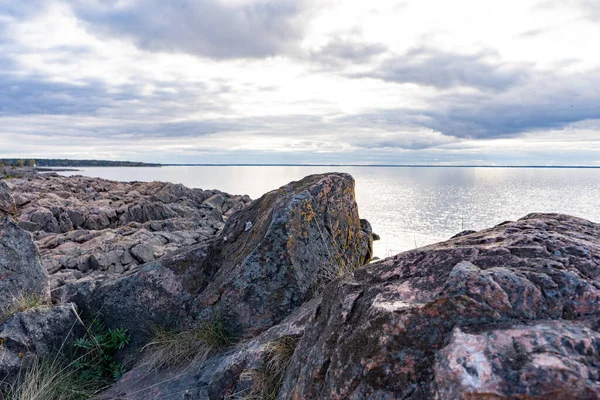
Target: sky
463,82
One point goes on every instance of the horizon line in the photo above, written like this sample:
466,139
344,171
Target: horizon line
376,165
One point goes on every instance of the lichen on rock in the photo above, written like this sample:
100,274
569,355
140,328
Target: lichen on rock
303,235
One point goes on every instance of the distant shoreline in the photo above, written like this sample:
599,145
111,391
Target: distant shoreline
385,166
70,163
66,163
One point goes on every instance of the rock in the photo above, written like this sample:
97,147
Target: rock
143,252
7,203
39,219
216,201
70,287
16,172
77,220
383,334
280,251
38,332
21,271
508,312
463,233
63,277
223,375
544,360
366,249
147,211
155,295
303,234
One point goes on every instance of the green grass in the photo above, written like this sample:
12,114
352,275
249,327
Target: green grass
77,373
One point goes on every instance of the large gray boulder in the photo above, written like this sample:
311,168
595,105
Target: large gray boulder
21,270
156,295
281,251
270,258
463,319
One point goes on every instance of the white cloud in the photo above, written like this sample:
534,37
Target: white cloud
337,81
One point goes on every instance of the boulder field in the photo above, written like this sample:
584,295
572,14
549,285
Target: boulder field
510,312
88,226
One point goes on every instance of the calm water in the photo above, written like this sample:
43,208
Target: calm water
409,206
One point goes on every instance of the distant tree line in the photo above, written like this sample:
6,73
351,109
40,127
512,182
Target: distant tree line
51,162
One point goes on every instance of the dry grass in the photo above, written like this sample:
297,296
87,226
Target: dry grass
24,302
172,348
268,379
65,374
335,266
48,380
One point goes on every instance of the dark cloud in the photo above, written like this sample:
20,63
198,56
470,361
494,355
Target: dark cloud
493,119
548,102
401,141
340,51
444,70
109,111
191,128
32,95
209,28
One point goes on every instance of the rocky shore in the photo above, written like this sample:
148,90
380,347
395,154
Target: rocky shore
277,298
87,225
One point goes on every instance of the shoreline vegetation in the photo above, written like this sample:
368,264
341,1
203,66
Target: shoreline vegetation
51,162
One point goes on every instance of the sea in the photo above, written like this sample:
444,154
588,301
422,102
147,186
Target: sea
408,207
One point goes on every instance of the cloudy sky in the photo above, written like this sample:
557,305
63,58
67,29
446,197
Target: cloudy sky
308,81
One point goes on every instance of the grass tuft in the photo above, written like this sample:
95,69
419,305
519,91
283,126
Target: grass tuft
268,379
171,348
49,379
24,302
78,373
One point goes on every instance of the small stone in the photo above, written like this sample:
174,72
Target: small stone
143,252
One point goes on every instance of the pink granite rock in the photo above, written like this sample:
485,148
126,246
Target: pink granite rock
379,334
542,360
